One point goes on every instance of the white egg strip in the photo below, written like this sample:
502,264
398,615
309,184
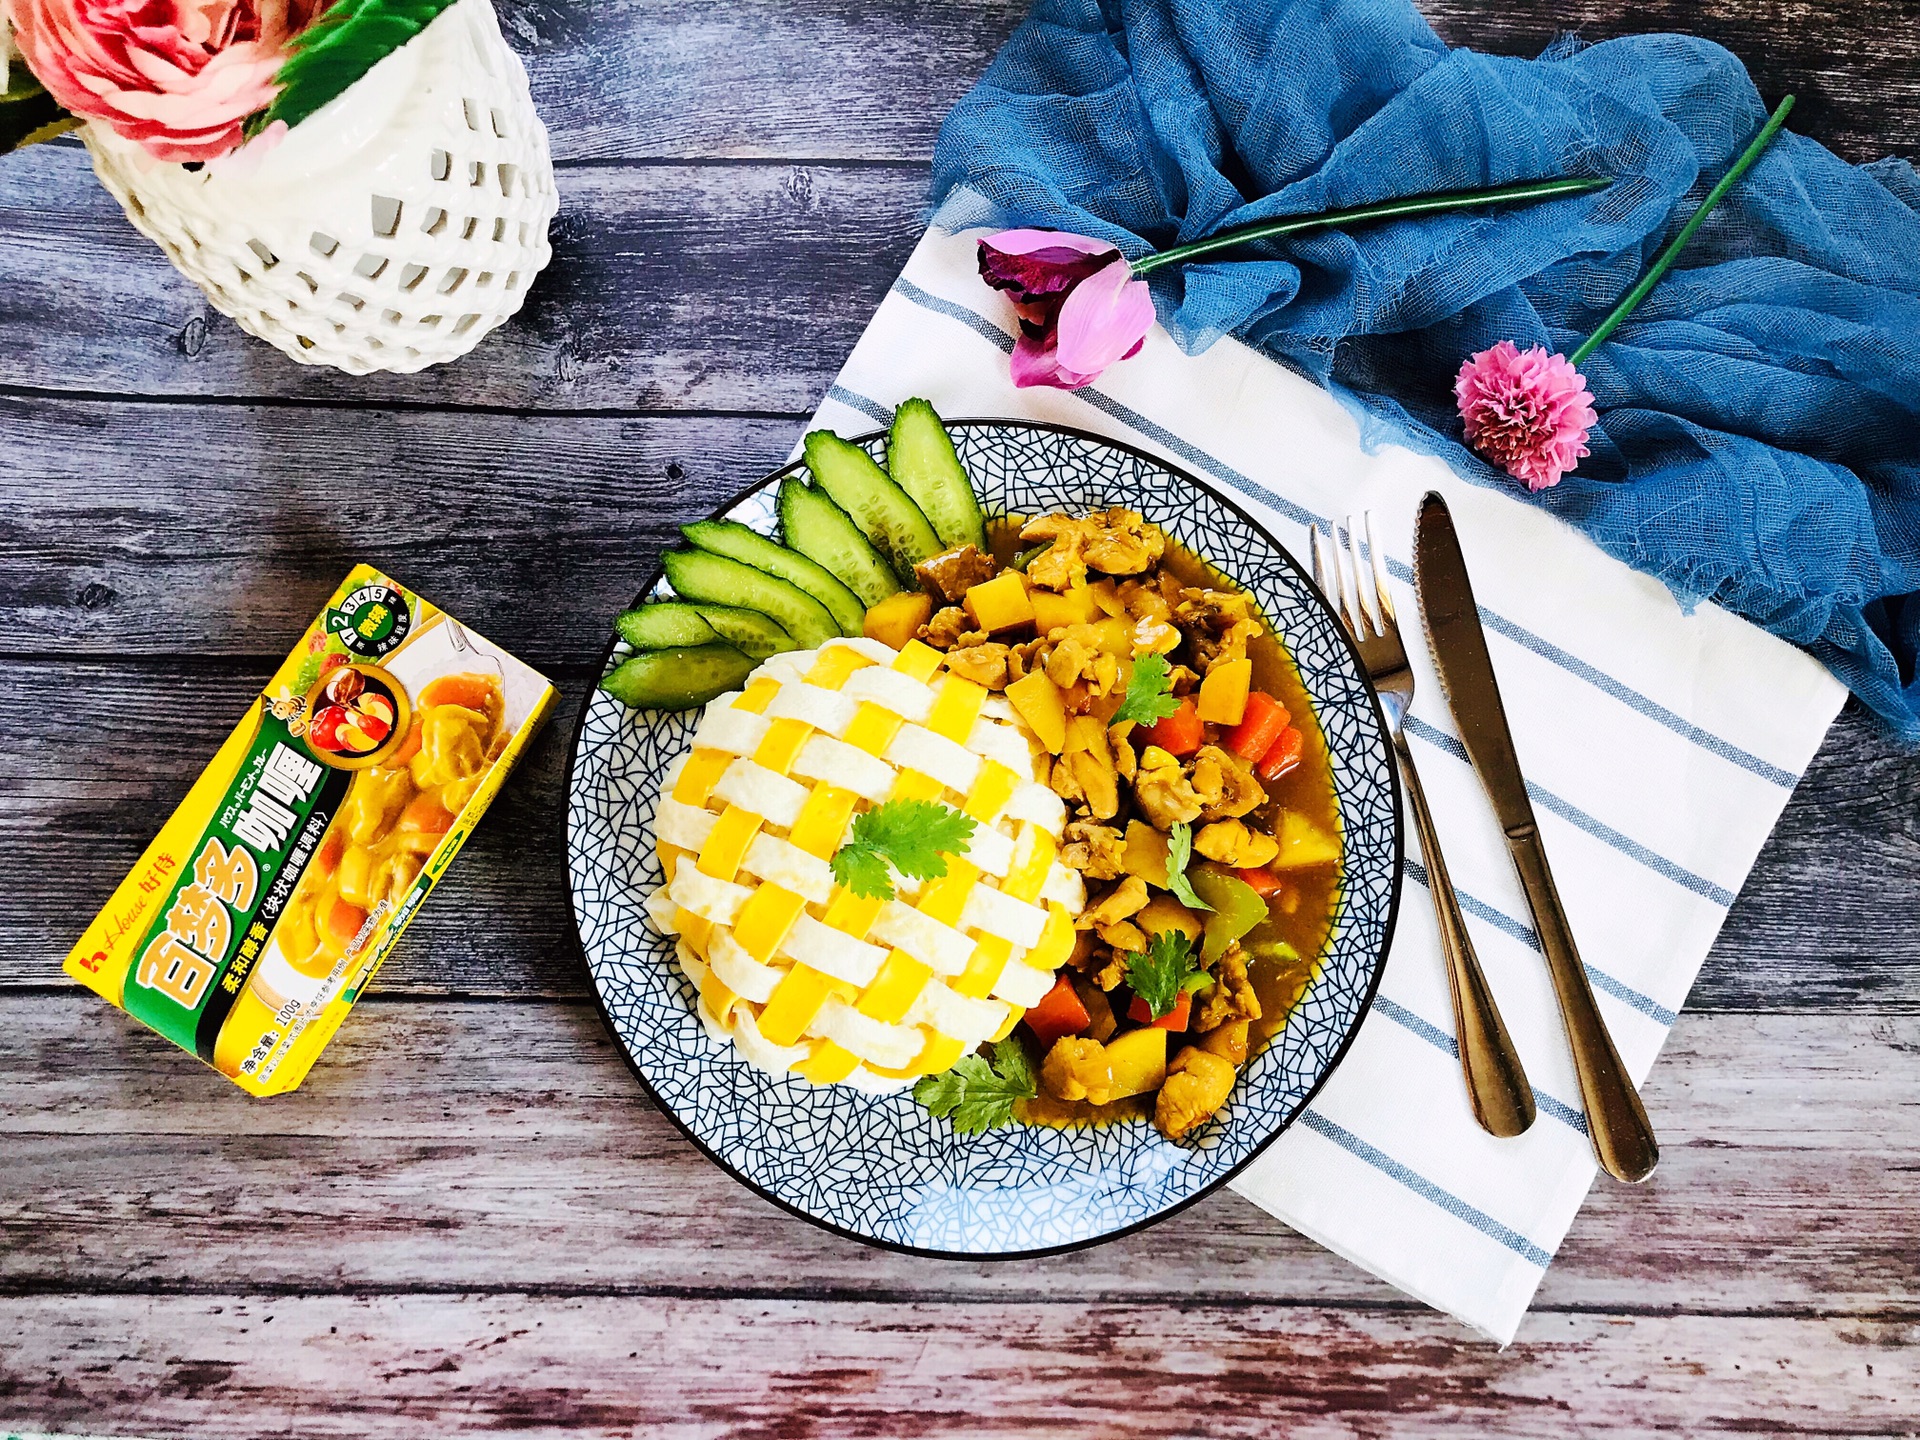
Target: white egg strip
826,710
670,777
782,863
832,952
1022,985
868,1083
918,748
891,1047
1065,887
662,912
941,948
960,1016
890,690
834,762
684,825
716,900
877,651
774,1059
997,914
753,787
1002,743
739,971
992,850
998,707
738,732
691,964
789,668
1039,806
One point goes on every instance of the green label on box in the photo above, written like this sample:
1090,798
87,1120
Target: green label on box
195,959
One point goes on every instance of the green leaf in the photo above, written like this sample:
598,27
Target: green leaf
1158,973
910,836
1149,692
977,1095
28,114
1179,853
340,47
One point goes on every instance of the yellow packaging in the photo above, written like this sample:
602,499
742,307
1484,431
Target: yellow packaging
268,901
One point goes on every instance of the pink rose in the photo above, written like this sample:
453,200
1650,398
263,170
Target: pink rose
178,77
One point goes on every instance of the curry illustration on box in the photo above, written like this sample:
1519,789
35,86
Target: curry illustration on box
271,897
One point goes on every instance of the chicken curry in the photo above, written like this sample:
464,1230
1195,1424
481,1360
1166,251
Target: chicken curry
1201,811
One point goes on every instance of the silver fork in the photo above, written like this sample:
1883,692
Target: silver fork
1496,1084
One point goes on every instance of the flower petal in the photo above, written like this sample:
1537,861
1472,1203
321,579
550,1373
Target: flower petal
1105,319
1035,265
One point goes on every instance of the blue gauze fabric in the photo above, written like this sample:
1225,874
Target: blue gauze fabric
1764,402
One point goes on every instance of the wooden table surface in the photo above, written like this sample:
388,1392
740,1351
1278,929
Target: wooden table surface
470,1218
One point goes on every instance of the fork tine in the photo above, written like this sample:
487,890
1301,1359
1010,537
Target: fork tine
1347,567
1381,590
1365,599
1319,566
1334,587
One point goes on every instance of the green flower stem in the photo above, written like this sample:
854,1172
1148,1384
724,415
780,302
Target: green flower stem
1666,258
1381,210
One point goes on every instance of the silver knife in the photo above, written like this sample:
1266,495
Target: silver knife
1617,1121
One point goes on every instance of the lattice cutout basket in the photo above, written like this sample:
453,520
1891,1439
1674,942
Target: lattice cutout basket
390,230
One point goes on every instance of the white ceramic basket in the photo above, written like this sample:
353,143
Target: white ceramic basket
390,230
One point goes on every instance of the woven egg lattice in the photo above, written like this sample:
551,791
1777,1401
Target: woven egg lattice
878,1166
874,990
390,230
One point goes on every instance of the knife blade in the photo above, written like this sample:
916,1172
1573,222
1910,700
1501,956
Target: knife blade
1616,1120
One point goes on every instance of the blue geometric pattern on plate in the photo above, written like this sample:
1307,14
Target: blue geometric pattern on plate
882,1169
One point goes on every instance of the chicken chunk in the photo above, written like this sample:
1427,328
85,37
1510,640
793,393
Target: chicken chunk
1197,1085
983,664
1073,656
1228,1041
1161,789
1126,899
950,627
1218,624
951,573
1114,542
1225,785
1077,1068
1232,843
1098,852
1231,997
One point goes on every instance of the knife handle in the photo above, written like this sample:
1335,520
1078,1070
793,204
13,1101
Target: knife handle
1617,1121
1497,1085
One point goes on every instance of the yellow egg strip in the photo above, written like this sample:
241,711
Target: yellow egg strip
918,661
990,957
828,1064
912,785
780,746
991,792
873,728
796,1000
823,820
765,919
895,988
956,705
834,664
757,696
720,857
851,914
699,775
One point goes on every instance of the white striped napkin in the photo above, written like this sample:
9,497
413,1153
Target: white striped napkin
1660,746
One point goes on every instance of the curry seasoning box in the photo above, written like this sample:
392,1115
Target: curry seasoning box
268,901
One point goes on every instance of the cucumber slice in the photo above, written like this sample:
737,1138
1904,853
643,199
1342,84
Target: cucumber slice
678,678
737,542
712,579
921,460
872,501
662,625
748,631
820,529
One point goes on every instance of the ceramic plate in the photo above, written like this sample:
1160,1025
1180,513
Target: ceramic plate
884,1170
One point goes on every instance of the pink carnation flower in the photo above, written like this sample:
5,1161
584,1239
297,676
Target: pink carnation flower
1526,411
179,77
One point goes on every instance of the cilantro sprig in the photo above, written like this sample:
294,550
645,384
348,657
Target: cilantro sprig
977,1095
1179,854
1160,972
1149,692
903,836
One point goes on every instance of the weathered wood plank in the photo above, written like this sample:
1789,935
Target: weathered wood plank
672,287
807,79
393,1365
91,764
435,1134
1850,65
219,531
